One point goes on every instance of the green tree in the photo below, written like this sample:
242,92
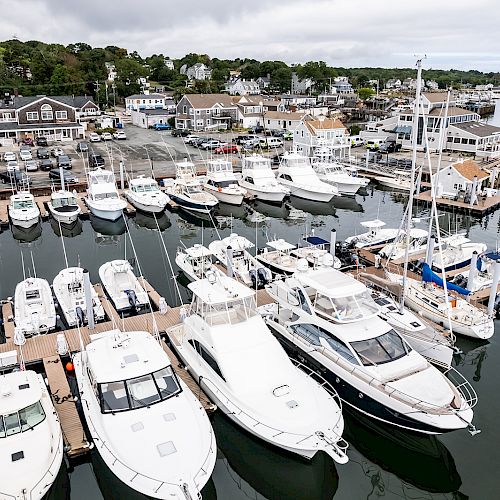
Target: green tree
365,93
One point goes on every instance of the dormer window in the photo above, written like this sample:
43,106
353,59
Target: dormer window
46,112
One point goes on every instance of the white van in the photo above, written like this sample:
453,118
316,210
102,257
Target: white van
373,144
271,142
356,141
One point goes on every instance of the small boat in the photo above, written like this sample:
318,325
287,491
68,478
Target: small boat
401,180
185,190
196,262
34,310
457,253
315,250
30,435
222,183
23,211
144,194
376,236
122,286
63,206
336,174
397,249
147,426
226,345
233,254
259,180
69,290
296,174
103,198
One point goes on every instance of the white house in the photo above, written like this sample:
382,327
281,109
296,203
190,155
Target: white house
300,101
250,110
196,72
147,118
144,101
242,87
341,85
393,84
277,120
264,81
432,85
112,73
169,64
299,86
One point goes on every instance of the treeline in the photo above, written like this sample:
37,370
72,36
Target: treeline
35,67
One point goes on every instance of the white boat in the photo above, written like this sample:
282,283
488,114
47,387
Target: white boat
69,290
376,236
457,253
222,183
336,174
233,253
259,180
397,249
147,426
63,206
196,262
331,321
297,175
34,310
30,437
483,277
401,180
102,197
144,194
23,211
226,345
122,286
185,190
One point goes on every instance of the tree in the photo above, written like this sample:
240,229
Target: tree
365,93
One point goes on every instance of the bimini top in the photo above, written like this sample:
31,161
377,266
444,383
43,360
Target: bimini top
223,289
237,242
198,251
373,224
281,245
330,282
418,233
18,390
316,240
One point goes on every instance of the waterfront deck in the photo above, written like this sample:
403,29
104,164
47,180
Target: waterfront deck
482,207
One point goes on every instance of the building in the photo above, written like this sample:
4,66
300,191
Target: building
111,70
264,82
144,101
341,85
300,86
147,118
250,110
169,64
277,120
242,87
393,84
273,105
432,85
312,133
196,72
298,101
59,118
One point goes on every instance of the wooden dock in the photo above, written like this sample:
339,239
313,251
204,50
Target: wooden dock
8,325
484,205
4,212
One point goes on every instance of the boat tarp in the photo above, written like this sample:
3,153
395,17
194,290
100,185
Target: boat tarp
428,275
385,284
316,240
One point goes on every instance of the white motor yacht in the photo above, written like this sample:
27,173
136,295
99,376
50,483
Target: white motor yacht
336,174
63,206
225,344
103,198
222,183
296,173
457,253
376,236
144,194
331,321
146,424
259,180
69,290
196,261
34,310
397,249
233,253
401,180
185,190
23,211
30,437
122,286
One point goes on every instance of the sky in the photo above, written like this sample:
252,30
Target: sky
351,33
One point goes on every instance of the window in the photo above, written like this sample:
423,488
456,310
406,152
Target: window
46,111
32,115
198,112
207,357
464,141
21,421
449,139
472,141
208,121
207,112
61,115
379,350
184,109
456,140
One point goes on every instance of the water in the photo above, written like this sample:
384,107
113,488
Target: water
383,462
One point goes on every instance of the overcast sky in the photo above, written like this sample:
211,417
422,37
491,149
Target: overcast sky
453,33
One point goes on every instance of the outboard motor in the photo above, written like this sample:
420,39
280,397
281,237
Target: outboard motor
497,305
253,277
80,316
132,297
460,280
263,275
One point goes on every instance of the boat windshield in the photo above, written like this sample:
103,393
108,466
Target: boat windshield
23,204
22,420
192,190
103,196
297,162
223,184
101,178
64,202
346,309
226,313
379,350
146,188
138,392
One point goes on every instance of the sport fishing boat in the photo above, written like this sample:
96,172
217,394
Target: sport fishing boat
34,310
146,424
376,236
196,261
144,194
30,436
226,345
122,286
185,190
259,180
397,249
457,253
69,290
401,180
296,174
336,174
222,183
335,326
233,253
63,206
23,211
103,198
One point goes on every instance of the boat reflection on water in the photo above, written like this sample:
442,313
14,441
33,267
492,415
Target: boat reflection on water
26,235
152,221
227,210
66,230
198,219
274,210
107,227
417,460
61,487
313,207
249,468
473,353
347,203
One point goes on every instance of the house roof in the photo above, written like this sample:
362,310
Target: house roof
477,128
76,101
436,96
155,112
452,111
327,124
205,101
278,115
146,96
470,169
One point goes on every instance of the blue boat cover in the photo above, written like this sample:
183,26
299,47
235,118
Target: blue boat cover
316,240
428,275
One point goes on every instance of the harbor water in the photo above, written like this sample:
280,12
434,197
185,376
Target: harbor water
384,462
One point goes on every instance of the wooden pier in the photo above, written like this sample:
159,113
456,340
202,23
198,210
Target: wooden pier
484,205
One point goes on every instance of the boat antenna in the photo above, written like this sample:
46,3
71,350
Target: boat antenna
22,263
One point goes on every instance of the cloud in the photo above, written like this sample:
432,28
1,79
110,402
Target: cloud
341,33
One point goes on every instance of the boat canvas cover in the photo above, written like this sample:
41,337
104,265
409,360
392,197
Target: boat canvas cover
280,245
316,240
373,224
429,276
386,284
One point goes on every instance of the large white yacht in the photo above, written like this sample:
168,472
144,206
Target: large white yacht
103,198
222,183
196,261
296,174
456,253
148,427
63,206
225,344
376,236
259,180
330,320
144,194
23,211
30,437
34,310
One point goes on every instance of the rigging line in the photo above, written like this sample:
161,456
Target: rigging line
63,244
33,264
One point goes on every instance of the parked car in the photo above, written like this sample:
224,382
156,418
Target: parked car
64,161
24,147
106,136
55,152
357,141
190,138
31,166
12,165
96,160
244,138
287,136
83,147
271,142
120,135
251,144
199,141
42,153
42,141
9,156
68,177
212,144
46,164
162,126
389,147
94,137
179,132
28,141
15,177
25,155
228,148
258,129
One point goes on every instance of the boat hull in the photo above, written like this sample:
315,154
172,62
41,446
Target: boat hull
224,197
111,215
269,196
148,208
190,205
26,223
308,194
344,187
64,217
